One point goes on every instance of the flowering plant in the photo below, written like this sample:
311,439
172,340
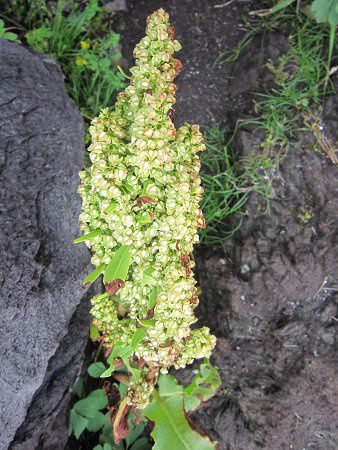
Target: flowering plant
140,200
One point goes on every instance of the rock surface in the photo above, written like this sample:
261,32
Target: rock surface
44,315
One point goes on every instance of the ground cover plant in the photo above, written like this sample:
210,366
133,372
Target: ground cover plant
301,82
140,200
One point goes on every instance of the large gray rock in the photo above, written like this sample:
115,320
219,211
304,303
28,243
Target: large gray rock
43,309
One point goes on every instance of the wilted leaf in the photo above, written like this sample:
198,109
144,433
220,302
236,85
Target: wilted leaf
96,369
203,387
172,429
121,426
114,286
118,267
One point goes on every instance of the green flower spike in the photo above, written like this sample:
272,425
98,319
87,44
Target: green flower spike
140,201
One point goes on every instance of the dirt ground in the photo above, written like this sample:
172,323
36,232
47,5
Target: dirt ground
271,296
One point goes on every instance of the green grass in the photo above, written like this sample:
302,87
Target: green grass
78,36
299,84
294,100
228,181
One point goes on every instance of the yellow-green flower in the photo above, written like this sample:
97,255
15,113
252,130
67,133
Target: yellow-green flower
85,45
142,192
80,61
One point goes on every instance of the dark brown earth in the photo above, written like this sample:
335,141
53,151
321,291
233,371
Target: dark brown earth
271,296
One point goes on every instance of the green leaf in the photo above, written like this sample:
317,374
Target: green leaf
137,338
280,5
98,447
107,447
97,422
147,322
129,188
89,406
111,208
78,423
120,351
141,444
203,387
325,11
118,267
94,332
107,373
147,276
123,352
78,388
153,298
94,275
134,434
87,237
123,73
96,369
143,218
171,428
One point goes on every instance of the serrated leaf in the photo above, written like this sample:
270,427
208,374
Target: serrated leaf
153,298
94,332
171,428
137,338
97,422
78,423
89,406
118,267
96,369
88,236
94,275
203,387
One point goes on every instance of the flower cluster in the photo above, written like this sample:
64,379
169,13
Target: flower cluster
143,191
